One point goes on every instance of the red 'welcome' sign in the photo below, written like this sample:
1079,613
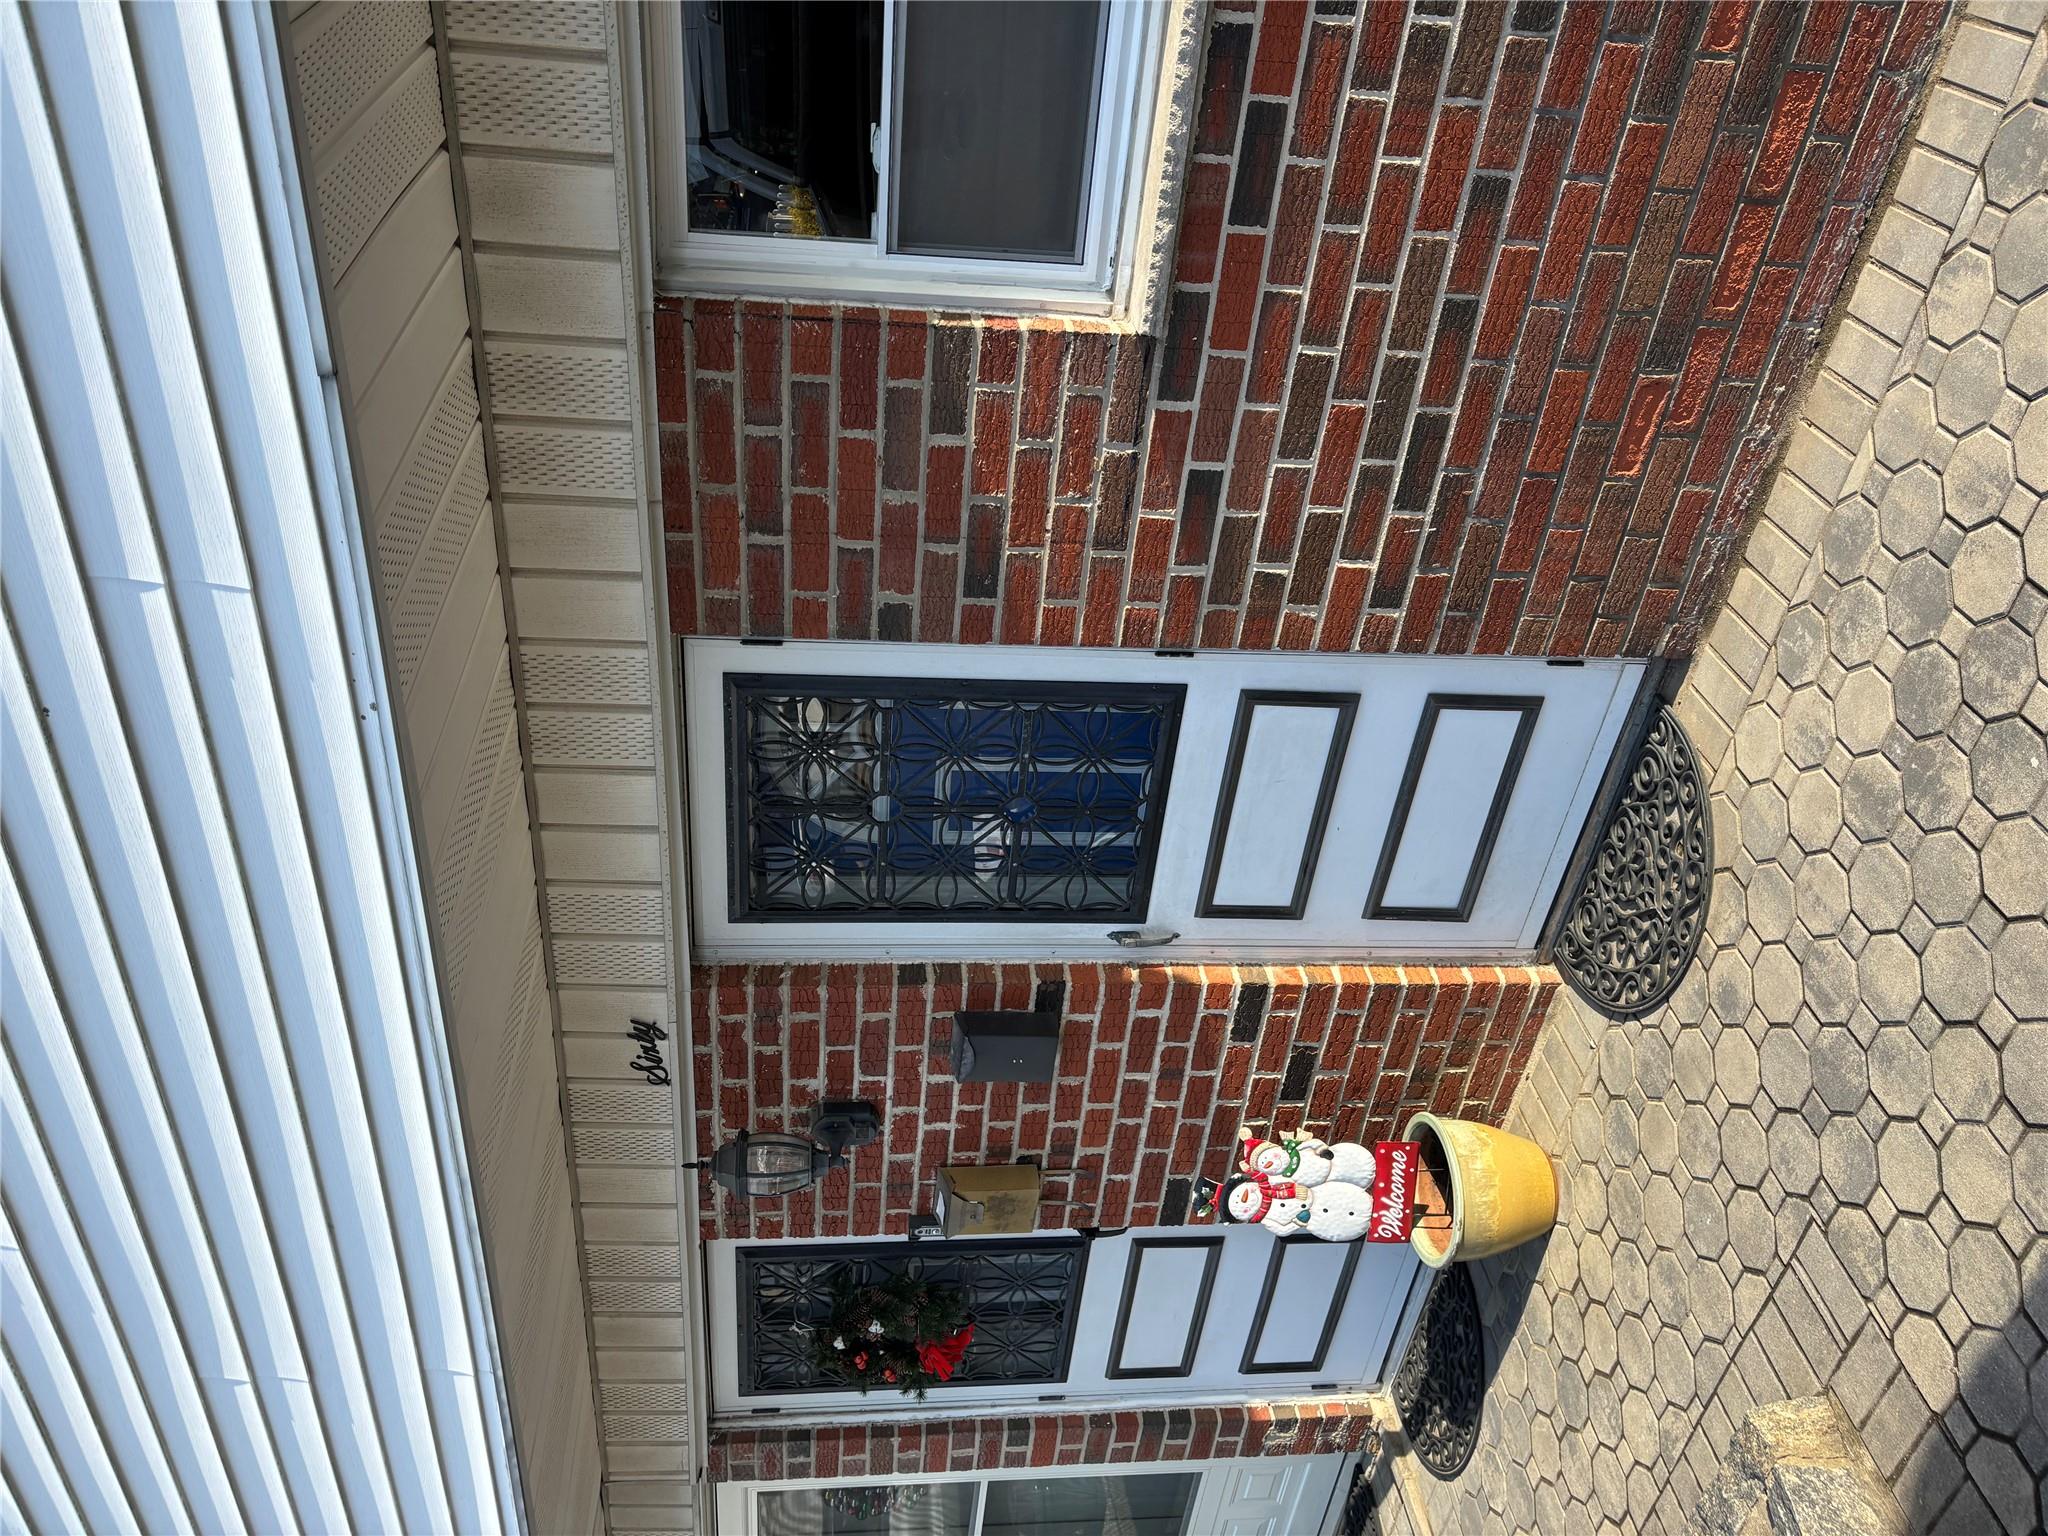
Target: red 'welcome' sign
1393,1190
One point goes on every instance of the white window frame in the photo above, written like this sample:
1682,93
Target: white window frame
739,1502
1125,152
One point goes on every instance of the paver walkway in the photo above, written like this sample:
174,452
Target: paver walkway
1825,1163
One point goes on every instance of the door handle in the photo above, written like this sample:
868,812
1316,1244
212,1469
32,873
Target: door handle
1142,938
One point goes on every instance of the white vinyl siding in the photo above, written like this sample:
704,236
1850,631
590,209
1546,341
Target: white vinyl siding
243,1288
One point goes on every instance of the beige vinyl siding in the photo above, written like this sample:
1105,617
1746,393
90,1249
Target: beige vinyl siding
539,104
372,117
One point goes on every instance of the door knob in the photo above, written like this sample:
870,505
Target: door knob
1142,938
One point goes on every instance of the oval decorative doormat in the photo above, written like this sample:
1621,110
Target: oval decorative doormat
1641,908
1441,1386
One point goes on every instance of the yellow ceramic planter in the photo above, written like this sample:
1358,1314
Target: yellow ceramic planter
1503,1190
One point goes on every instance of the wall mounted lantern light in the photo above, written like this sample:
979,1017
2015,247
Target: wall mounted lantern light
769,1164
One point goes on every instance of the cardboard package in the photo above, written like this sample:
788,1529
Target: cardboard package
975,1202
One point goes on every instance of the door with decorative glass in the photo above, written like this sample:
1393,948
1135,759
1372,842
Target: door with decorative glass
1161,1313
923,800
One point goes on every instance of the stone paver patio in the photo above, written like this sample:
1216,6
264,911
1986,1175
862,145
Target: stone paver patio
1825,1164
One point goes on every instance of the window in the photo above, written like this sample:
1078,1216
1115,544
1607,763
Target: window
927,799
967,152
1083,1504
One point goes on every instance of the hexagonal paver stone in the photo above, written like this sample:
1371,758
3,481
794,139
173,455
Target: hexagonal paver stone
1934,782
1849,539
1888,978
1781,1061
1706,1221
2009,769
2026,348
2015,860
1829,975
2020,963
1985,575
1802,638
1838,1069
1821,893
1880,887
1795,1152
2017,163
1871,800
1959,295
1769,903
1998,668
2026,1074
1763,821
1976,1175
2030,460
1987,1281
1856,624
1808,726
2030,1179
1969,385
1900,1077
1917,601
1916,1263
1744,1150
1910,510
1995,1391
1814,810
1905,430
1965,1074
1757,748
1847,1160
1955,971
2019,263
1774,979
1907,1166
1945,882
1728,989
1751,1233
1926,690
1977,478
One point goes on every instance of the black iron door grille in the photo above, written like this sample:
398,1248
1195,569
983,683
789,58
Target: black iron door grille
864,799
1022,1294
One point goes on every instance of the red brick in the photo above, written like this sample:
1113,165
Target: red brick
1322,87
1779,151
1201,221
1634,441
1279,48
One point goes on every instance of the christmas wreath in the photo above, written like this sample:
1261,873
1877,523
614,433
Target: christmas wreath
900,1331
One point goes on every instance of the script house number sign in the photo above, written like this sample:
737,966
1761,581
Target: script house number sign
1393,1190
648,1063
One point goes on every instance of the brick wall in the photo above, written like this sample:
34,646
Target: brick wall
1158,1067
1485,321
1294,1428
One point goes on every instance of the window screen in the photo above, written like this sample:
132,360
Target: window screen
995,121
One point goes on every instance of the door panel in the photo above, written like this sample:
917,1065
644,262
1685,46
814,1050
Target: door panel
1158,1311
1284,1496
926,800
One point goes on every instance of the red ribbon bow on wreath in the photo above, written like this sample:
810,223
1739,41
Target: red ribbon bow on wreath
943,1358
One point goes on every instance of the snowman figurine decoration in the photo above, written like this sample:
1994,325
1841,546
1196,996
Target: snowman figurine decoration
1305,1159
1334,1212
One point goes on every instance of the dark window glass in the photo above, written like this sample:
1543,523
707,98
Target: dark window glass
872,799
874,1509
1154,1504
995,122
781,97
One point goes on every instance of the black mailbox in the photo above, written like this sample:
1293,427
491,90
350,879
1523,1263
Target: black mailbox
1006,1047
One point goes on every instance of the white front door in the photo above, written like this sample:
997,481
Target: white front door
1268,1496
925,800
1155,1313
